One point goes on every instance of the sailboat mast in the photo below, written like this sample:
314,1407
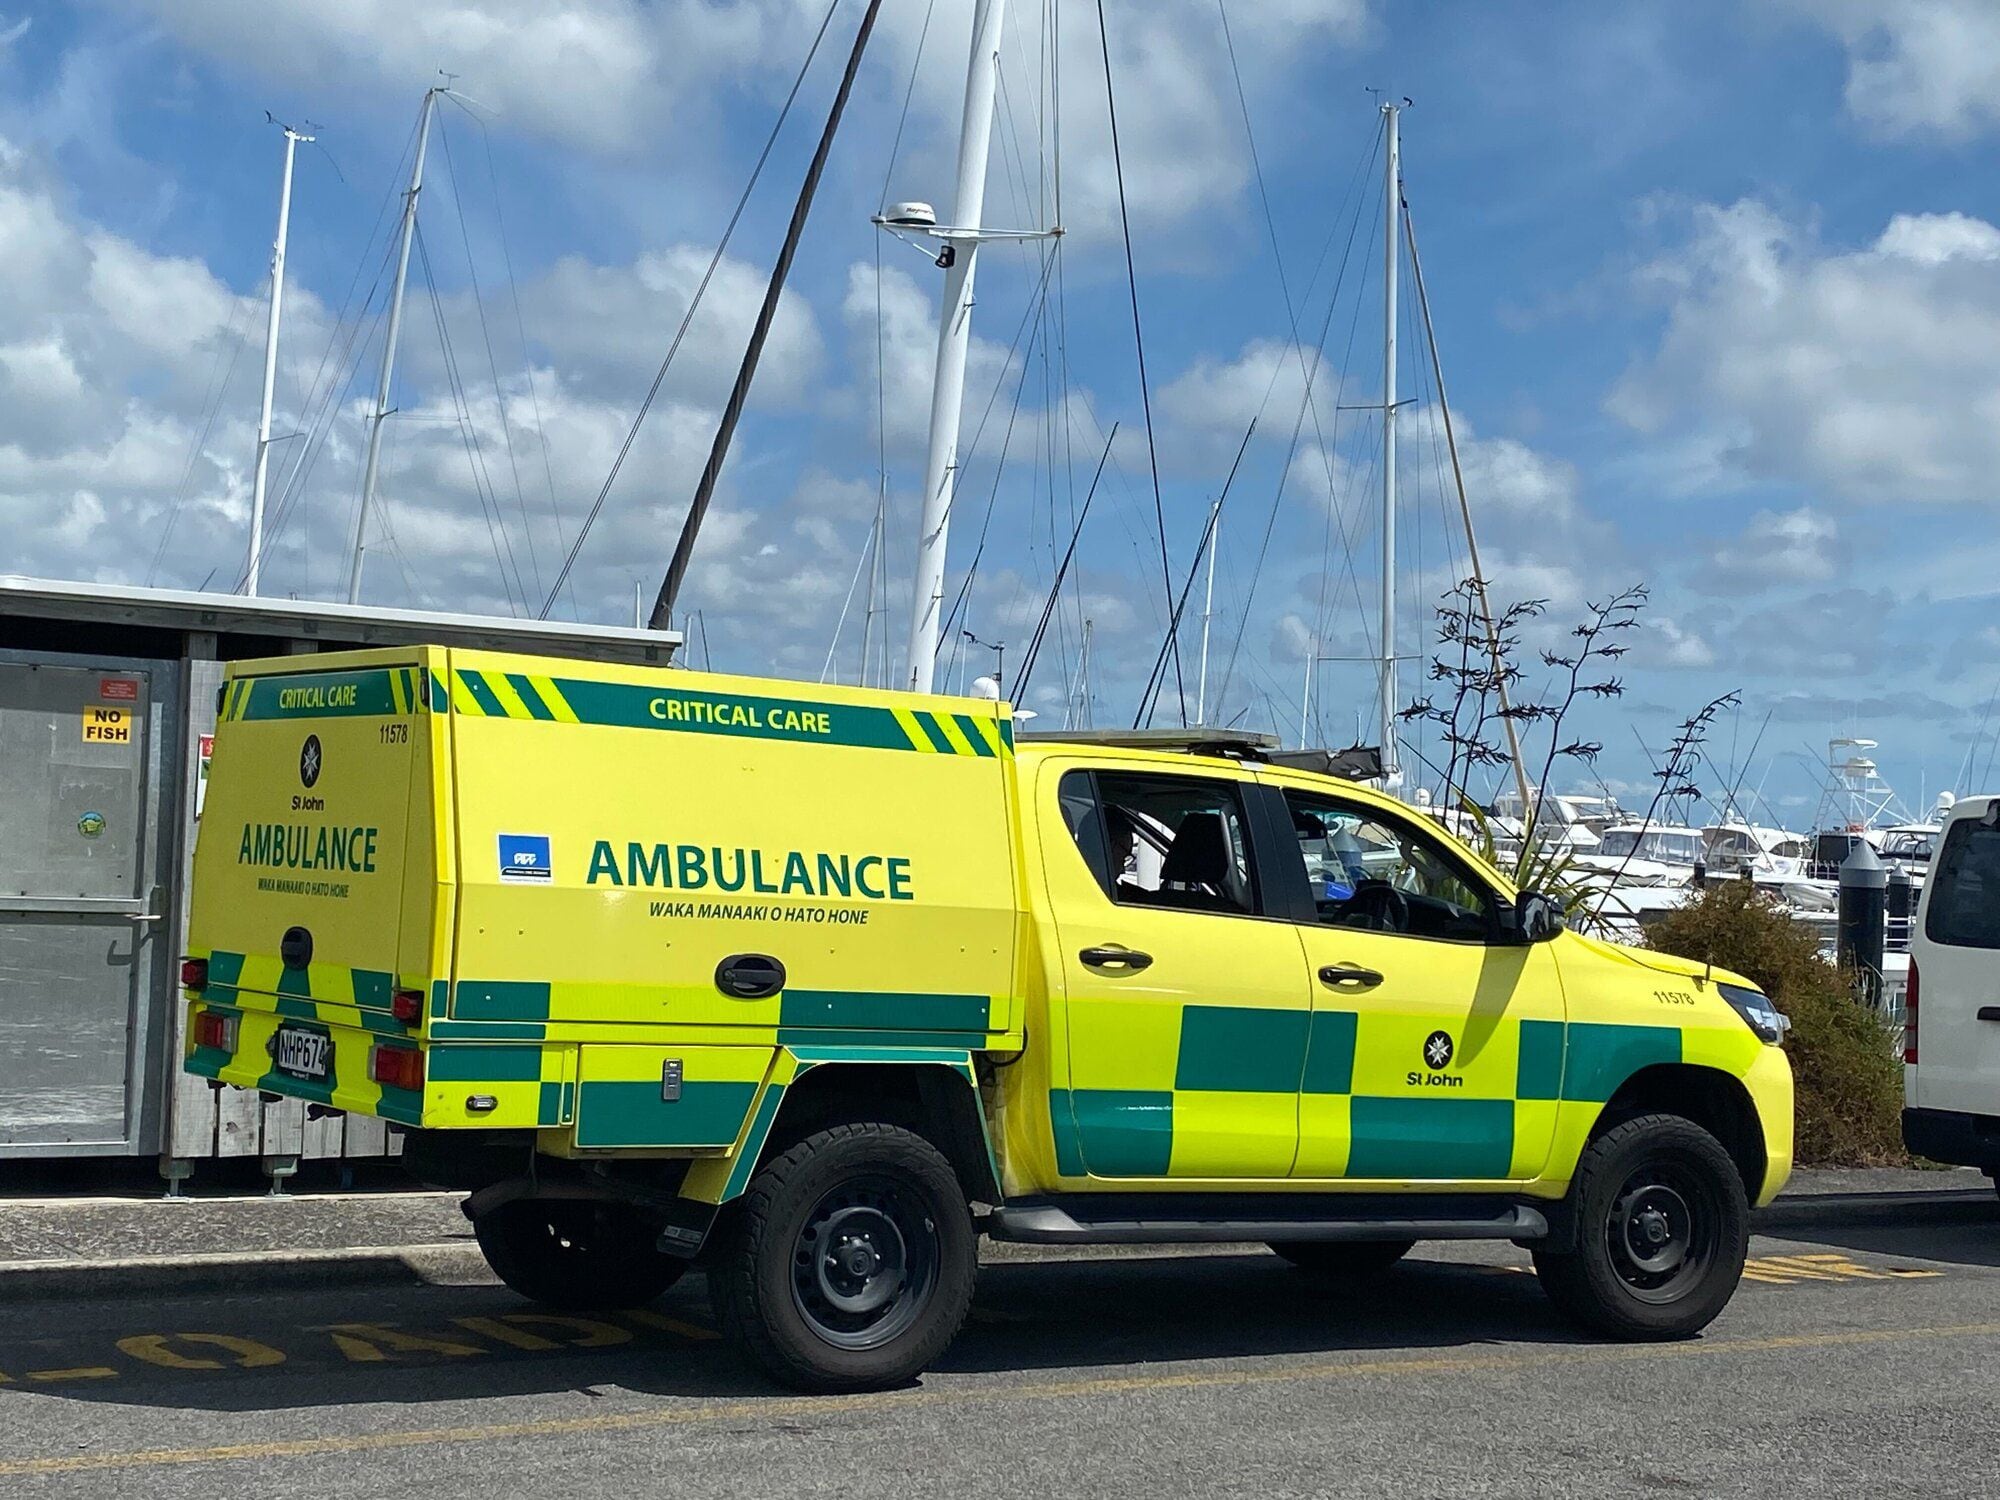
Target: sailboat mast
381,414
1207,613
1391,772
254,567
961,256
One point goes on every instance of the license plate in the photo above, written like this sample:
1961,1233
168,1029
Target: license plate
302,1053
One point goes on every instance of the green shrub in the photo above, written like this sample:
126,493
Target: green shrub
1844,1059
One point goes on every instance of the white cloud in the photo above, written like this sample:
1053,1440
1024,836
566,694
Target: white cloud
1867,373
1917,66
1775,549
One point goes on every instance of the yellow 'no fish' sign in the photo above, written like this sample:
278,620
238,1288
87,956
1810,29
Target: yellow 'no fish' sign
106,724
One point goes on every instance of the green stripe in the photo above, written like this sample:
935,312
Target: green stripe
320,695
753,1143
884,1011
1062,1122
529,696
1418,1139
810,1036
207,1062
1241,1049
1600,1057
404,1106
483,694
440,694
440,997
224,970
970,730
1330,1053
1124,1132
548,1109
634,706
955,1057
1540,1073
929,724
487,1064
488,1031
634,1114
499,1000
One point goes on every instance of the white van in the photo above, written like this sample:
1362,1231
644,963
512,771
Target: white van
1951,1046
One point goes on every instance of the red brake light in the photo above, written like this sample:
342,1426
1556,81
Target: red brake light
407,1005
398,1067
194,973
1910,1015
215,1030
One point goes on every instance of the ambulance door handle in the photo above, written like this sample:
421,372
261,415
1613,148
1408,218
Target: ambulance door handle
1131,960
750,976
1349,977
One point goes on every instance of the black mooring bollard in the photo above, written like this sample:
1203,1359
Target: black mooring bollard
1863,907
1901,906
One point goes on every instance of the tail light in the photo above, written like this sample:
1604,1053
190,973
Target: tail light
194,973
212,1029
397,1067
407,1006
1910,1016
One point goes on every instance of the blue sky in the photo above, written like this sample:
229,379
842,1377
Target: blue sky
1717,287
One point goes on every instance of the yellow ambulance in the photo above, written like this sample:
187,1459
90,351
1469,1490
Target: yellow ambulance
810,986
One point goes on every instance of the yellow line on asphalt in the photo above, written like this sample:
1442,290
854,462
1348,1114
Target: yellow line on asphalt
891,1402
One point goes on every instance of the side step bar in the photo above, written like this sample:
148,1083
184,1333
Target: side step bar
1118,1219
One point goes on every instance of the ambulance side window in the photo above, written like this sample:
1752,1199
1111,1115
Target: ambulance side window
1382,874
1179,842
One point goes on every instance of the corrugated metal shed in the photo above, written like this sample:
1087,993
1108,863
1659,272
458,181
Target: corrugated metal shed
107,695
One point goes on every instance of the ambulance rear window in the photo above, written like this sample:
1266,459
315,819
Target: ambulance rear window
1965,888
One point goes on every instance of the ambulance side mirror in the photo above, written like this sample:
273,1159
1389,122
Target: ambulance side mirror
1537,918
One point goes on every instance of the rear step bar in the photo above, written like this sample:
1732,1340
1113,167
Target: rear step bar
1176,1218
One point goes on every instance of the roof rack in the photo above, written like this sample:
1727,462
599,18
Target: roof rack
1237,744
1355,763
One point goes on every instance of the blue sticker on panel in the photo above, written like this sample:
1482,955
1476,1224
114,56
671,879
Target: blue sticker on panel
525,857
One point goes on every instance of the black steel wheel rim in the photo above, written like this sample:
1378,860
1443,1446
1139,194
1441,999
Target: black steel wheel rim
1663,1232
865,1262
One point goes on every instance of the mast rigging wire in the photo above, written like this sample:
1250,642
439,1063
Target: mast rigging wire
492,361
694,305
1022,678
767,311
1139,346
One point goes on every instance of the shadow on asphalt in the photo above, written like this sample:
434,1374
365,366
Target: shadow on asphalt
1956,1229
433,1346
318,1349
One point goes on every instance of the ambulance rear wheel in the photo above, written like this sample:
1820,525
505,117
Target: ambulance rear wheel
1662,1229
851,1262
576,1255
1343,1258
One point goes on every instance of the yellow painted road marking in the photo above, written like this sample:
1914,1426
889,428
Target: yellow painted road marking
82,1372
155,1349
890,1402
372,1343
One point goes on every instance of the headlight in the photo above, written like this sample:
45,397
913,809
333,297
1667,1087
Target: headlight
1757,1011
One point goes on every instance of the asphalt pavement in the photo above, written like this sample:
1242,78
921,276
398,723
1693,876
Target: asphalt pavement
1862,1355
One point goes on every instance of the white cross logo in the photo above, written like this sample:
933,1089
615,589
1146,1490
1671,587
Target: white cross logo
1437,1050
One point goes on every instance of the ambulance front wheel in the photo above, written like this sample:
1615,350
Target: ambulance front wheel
574,1254
1662,1228
851,1261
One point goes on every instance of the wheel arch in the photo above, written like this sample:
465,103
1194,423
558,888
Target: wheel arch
1718,1102
936,1100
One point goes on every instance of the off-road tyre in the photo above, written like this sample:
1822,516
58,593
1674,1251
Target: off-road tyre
576,1255
1343,1260
785,1291
1662,1226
